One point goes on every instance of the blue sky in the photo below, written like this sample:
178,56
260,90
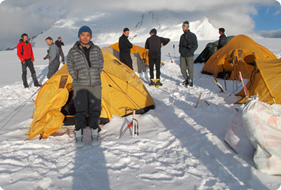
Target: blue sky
237,16
268,17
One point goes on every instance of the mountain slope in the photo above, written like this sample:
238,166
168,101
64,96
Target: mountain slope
107,28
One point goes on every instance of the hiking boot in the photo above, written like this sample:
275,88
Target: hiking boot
78,136
158,83
190,83
95,134
36,83
185,83
152,83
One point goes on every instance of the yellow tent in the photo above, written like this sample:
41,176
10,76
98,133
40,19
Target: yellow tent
136,49
238,55
138,65
122,92
265,82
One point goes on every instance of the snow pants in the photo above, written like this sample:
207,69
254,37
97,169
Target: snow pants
61,54
87,101
186,63
127,60
154,60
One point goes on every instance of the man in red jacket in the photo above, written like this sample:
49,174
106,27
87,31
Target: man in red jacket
26,57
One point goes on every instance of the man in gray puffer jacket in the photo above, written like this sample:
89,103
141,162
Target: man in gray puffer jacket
85,64
53,56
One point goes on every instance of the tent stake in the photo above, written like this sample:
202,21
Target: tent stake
198,100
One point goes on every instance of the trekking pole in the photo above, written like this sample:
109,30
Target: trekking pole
174,51
233,72
170,57
134,125
224,78
206,102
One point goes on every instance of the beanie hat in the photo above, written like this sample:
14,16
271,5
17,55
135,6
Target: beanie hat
185,24
84,29
154,31
222,30
126,29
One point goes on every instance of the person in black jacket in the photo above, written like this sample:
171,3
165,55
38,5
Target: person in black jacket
60,43
188,45
154,44
125,47
223,39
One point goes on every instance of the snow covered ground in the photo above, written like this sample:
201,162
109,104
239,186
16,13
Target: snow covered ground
179,146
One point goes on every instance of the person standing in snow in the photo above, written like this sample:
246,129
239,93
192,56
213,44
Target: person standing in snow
60,43
154,44
125,47
222,39
188,45
53,56
85,64
25,54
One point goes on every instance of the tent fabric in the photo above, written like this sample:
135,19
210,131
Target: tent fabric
122,92
265,82
209,50
138,65
143,53
238,55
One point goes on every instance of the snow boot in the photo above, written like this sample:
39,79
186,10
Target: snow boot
95,134
152,83
78,137
25,85
185,83
158,83
36,83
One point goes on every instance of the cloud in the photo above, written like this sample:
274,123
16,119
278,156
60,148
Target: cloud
35,16
271,34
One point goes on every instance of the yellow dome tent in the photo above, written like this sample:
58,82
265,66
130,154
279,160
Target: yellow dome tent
122,92
238,55
138,64
265,82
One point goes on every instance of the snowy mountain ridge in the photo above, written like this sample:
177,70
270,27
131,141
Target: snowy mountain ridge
108,29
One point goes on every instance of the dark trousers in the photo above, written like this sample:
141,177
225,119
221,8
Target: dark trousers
154,60
127,60
61,54
28,63
87,101
53,67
